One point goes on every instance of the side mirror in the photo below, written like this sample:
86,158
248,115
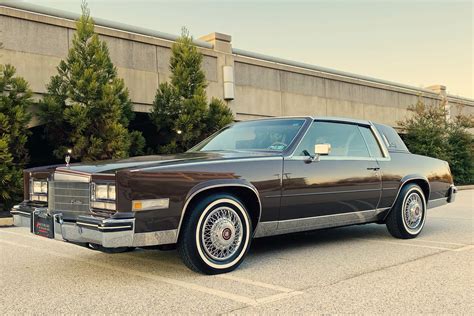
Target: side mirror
322,149
319,150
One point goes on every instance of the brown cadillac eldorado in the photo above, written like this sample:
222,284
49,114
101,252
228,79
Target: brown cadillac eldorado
251,179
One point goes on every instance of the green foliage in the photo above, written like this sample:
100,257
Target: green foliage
429,133
87,107
15,98
181,111
426,130
461,146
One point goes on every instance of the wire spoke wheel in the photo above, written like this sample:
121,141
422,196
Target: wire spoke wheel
222,233
413,211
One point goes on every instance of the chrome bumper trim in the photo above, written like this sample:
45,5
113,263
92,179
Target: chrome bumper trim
110,233
452,193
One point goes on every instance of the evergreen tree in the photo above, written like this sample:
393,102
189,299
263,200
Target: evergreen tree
87,107
426,129
461,149
15,98
181,111
429,133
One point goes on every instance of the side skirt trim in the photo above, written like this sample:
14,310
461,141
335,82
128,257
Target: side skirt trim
437,202
318,222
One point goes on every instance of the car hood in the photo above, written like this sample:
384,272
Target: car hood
112,166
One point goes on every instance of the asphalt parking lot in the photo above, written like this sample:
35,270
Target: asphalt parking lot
359,269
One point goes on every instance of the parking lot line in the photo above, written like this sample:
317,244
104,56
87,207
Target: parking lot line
183,284
277,297
256,283
227,276
222,276
468,247
405,244
238,298
440,242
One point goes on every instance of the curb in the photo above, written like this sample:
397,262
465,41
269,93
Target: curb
7,221
465,187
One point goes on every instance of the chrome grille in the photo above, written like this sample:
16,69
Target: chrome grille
69,196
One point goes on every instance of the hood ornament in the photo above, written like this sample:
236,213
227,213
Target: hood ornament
68,157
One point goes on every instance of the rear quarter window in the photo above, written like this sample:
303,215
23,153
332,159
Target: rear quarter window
391,138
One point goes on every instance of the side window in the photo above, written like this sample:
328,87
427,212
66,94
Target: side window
391,138
374,147
346,139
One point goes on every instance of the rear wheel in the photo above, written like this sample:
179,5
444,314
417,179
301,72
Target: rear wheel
215,235
407,217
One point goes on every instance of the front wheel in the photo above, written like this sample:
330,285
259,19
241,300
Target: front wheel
215,235
407,217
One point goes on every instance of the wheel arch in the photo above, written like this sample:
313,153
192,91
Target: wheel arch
419,180
240,188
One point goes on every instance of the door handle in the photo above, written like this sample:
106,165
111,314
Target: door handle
373,168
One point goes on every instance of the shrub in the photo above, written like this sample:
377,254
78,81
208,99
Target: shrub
15,98
429,133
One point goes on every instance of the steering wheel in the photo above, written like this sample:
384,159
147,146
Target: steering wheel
276,144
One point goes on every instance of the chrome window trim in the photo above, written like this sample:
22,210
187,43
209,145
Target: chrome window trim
301,139
378,138
302,118
376,141
369,124
329,158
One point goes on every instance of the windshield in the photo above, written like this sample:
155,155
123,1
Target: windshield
267,135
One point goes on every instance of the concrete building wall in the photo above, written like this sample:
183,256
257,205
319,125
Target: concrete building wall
35,43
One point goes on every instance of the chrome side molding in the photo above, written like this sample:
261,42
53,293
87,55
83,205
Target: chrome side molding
265,229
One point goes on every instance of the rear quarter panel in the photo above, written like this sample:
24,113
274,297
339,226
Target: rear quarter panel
404,166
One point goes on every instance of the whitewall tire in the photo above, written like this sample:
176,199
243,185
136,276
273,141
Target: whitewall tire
216,234
408,215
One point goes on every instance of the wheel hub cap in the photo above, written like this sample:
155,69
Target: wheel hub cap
413,212
222,233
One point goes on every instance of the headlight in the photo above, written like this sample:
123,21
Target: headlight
103,196
39,190
111,192
40,186
101,192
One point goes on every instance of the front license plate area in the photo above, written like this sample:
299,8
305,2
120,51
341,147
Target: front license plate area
43,225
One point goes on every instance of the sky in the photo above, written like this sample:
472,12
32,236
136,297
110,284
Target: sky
417,42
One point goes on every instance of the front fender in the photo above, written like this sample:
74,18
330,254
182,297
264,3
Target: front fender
218,183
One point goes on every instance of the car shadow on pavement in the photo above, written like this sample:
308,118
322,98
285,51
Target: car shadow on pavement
168,261
317,238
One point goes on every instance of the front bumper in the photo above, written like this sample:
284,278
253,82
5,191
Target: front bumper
108,232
